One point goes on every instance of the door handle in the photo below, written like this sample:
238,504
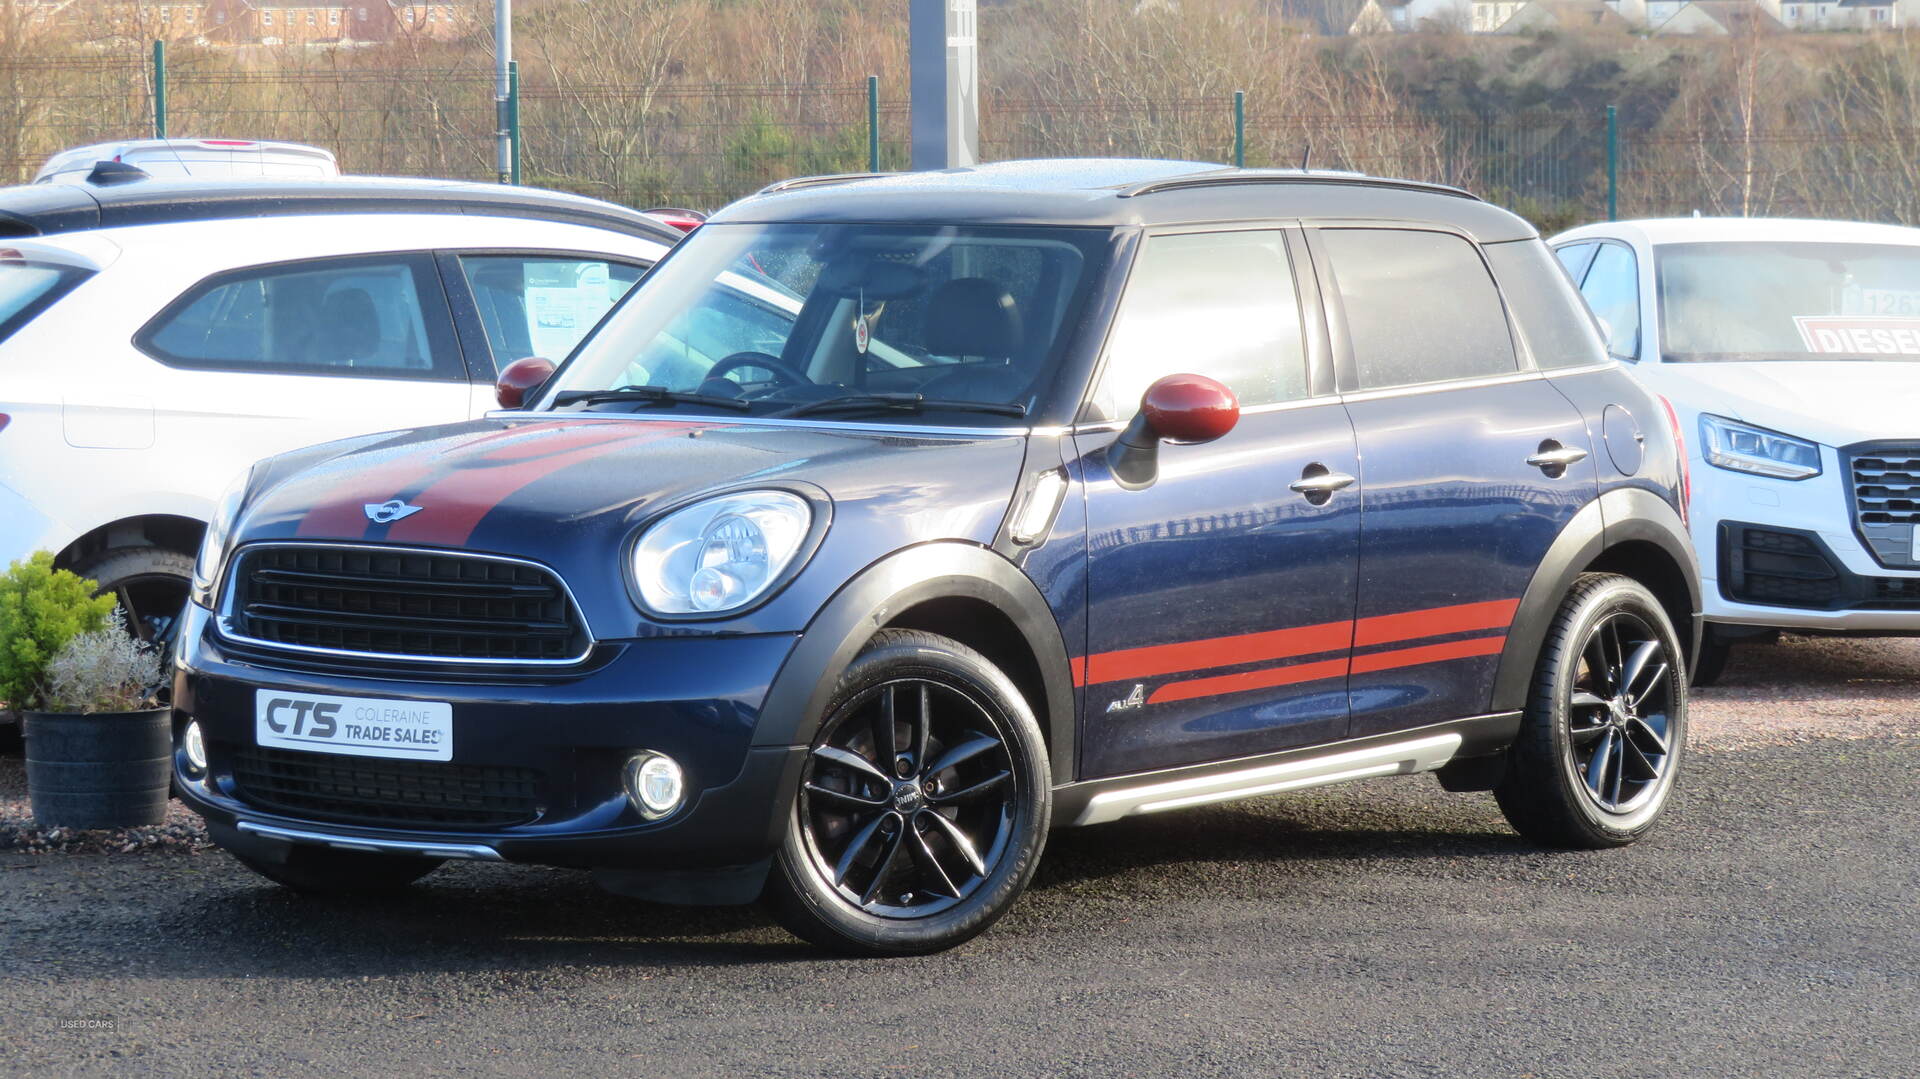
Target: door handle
1323,484
1318,483
1553,458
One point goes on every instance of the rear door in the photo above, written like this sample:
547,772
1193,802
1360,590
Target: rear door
1218,599
1471,466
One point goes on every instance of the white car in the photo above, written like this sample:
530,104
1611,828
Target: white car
156,338
198,159
1790,351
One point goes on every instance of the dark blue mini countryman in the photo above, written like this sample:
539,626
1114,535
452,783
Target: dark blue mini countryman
894,521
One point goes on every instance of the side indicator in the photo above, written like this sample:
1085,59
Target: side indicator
1035,519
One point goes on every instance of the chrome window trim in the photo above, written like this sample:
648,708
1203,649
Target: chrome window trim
1099,426
223,619
734,419
1440,387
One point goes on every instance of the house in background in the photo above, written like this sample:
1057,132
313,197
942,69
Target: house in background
264,22
1718,18
1540,16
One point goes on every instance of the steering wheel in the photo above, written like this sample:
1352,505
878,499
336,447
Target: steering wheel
782,374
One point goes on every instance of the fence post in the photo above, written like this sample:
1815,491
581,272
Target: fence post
159,89
1613,165
513,118
873,123
1239,129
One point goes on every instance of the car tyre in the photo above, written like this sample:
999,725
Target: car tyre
919,726
325,871
1604,732
148,581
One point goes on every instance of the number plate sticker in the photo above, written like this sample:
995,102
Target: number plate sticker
355,726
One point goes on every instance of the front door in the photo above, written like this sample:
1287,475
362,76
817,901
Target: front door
1219,599
1471,469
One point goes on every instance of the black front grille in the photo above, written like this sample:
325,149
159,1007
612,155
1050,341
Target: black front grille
406,604
1886,501
1780,568
371,790
1790,568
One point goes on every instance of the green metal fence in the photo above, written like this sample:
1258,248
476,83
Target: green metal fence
704,145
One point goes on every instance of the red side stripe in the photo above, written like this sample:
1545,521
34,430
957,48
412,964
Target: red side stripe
1263,678
456,503
1295,673
1138,663
1429,653
1434,622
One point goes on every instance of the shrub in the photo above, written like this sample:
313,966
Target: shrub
104,670
41,609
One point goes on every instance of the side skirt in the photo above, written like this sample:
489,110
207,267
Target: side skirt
1423,749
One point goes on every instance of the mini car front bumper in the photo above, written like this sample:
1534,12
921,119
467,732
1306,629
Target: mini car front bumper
554,747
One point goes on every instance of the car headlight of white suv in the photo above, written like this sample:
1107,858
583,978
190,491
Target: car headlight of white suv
720,554
1743,447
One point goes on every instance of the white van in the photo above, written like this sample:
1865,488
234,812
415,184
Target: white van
198,159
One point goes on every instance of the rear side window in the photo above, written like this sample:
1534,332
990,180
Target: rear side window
541,305
373,317
1419,307
1220,304
28,288
1552,317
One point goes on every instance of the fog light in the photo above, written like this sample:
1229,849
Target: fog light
195,744
655,784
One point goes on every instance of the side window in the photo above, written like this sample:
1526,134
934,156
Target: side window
542,305
1575,258
378,317
1612,289
1553,319
1419,307
1220,304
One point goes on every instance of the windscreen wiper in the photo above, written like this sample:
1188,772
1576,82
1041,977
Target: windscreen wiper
906,402
649,395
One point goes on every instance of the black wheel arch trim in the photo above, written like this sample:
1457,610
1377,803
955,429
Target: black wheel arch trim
931,571
1620,516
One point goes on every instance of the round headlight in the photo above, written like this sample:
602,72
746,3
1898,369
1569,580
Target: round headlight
721,554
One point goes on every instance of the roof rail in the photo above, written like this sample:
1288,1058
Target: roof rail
1231,176
816,181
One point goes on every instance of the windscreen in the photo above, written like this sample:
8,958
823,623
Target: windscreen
911,319
1788,301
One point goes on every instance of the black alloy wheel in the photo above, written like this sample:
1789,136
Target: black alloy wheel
922,804
1601,741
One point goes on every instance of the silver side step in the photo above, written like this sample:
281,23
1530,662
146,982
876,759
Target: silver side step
1398,758
472,852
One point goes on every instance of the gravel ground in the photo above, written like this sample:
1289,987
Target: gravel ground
1377,929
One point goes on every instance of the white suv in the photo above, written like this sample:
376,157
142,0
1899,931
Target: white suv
158,337
1790,351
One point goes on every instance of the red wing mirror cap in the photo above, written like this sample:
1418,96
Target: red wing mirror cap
520,379
1189,408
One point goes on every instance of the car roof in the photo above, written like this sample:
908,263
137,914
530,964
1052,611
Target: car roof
1119,191
47,209
1685,230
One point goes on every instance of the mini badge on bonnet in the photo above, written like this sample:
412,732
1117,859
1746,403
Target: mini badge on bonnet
385,513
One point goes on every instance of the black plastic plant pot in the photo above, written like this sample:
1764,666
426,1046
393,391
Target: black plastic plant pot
99,771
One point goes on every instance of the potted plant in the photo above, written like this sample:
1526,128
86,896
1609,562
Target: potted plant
98,754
